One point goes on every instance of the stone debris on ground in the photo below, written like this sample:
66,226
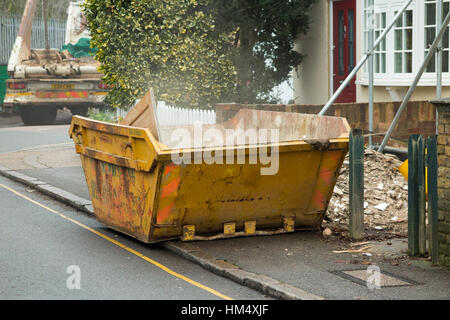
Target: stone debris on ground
385,195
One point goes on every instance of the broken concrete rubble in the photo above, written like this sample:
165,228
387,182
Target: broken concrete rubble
385,195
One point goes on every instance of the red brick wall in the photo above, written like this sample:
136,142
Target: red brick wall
444,183
419,117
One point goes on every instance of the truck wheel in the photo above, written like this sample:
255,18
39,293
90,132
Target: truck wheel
38,115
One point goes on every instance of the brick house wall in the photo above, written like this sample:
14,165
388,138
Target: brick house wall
444,181
419,116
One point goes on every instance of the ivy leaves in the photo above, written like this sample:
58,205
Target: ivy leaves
172,46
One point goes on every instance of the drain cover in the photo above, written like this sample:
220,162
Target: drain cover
386,279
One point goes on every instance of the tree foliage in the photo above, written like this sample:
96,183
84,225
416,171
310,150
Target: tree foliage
264,32
197,52
171,46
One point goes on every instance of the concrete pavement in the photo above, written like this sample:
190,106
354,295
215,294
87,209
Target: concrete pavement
303,261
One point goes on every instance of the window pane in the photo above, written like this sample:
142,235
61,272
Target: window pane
430,14
432,65
445,10
341,43
445,39
408,62
445,61
408,18
377,63
383,63
408,39
383,20
351,37
430,34
398,63
399,23
398,39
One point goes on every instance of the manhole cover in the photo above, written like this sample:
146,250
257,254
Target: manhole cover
385,279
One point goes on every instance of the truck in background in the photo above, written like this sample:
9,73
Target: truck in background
45,80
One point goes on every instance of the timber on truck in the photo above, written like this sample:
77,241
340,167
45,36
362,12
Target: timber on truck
47,79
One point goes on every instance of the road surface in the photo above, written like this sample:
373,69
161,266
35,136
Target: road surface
50,251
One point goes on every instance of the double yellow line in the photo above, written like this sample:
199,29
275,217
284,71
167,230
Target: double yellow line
117,243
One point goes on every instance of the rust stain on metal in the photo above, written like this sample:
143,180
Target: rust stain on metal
320,145
98,178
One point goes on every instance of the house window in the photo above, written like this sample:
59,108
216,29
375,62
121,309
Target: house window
401,54
378,19
380,52
403,43
430,34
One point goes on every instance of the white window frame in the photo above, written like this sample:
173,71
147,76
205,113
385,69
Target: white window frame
447,50
390,78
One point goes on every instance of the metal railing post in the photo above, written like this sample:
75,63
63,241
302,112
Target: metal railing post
415,82
371,70
438,57
439,51
363,60
331,47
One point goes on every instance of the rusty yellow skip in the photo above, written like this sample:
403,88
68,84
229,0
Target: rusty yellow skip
136,187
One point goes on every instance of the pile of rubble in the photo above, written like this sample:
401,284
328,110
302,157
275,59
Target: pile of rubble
385,195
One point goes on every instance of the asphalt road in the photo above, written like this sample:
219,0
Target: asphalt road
16,136
43,152
45,246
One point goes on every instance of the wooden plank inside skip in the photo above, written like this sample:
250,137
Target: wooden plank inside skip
143,115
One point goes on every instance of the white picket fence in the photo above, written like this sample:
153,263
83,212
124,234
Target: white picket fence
175,116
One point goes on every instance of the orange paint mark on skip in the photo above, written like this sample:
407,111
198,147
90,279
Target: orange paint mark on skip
169,168
163,214
171,187
326,175
319,200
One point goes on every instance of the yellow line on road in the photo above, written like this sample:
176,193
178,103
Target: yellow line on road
140,255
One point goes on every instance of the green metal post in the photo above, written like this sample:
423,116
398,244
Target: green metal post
421,197
432,174
413,204
356,184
